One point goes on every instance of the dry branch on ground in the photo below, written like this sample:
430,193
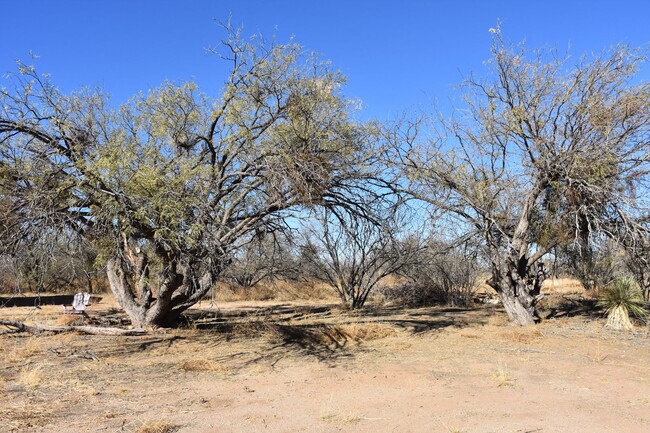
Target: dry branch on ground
38,328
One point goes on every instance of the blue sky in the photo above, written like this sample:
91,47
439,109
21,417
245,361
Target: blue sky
397,55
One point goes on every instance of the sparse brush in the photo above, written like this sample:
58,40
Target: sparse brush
621,299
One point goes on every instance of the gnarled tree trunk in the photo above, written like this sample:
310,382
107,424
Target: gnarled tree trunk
158,302
519,290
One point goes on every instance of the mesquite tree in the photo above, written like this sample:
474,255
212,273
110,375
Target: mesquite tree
542,154
167,185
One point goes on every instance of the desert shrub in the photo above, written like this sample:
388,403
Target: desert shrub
595,264
412,294
443,274
637,262
354,254
621,299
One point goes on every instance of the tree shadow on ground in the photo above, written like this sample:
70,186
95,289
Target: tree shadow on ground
570,306
325,343
327,333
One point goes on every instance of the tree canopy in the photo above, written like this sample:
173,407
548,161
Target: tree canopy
541,155
166,185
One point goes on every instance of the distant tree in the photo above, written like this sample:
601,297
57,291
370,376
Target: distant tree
38,258
542,154
595,263
262,258
354,254
166,186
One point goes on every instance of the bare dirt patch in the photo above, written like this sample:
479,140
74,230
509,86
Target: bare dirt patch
292,367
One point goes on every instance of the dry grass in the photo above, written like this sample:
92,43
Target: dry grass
502,376
23,350
331,416
66,339
640,402
452,429
341,418
24,418
253,328
497,320
31,377
204,365
522,335
562,286
596,354
70,319
131,372
280,290
367,331
158,427
76,385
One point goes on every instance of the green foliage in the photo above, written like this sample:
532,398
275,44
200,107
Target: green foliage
623,294
169,185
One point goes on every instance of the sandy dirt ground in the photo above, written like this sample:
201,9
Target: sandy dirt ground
287,367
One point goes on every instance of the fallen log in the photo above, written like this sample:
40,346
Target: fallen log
38,328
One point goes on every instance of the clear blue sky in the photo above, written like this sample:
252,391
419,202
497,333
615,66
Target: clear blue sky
396,55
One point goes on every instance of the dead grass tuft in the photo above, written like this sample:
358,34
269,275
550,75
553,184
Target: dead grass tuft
253,328
70,320
562,286
204,365
342,418
31,377
158,427
336,417
452,429
278,289
67,339
497,320
640,402
367,331
502,376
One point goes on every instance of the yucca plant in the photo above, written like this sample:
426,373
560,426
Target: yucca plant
621,299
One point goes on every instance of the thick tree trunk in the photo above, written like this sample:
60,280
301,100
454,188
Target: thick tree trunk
177,289
519,293
520,309
516,276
